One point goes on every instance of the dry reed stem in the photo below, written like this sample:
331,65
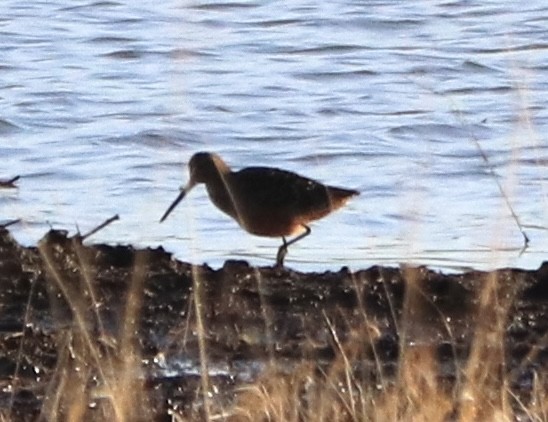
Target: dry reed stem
129,394
484,394
267,315
71,390
199,303
419,396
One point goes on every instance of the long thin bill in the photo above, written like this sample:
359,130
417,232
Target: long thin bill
174,204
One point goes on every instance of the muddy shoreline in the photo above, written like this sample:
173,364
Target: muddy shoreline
77,318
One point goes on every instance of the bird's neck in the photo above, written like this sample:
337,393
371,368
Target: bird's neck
219,191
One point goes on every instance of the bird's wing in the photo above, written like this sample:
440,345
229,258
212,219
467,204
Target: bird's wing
277,188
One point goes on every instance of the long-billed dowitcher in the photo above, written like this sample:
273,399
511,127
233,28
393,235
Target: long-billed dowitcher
264,201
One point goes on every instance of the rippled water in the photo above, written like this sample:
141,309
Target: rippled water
102,104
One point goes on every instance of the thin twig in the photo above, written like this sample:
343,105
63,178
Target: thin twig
485,159
492,173
100,227
10,223
348,368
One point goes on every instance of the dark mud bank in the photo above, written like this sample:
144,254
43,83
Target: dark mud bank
72,315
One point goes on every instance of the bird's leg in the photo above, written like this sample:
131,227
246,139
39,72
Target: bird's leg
282,251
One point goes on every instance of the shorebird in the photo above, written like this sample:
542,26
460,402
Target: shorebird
265,201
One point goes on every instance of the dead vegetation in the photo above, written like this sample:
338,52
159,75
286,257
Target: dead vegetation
112,333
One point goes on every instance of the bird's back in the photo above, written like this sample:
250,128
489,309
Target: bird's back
275,202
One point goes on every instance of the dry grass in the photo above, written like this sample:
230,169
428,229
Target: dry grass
481,392
92,382
105,383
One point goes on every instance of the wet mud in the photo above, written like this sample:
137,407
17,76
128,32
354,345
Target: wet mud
77,318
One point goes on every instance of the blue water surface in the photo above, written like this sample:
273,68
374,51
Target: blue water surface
422,106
